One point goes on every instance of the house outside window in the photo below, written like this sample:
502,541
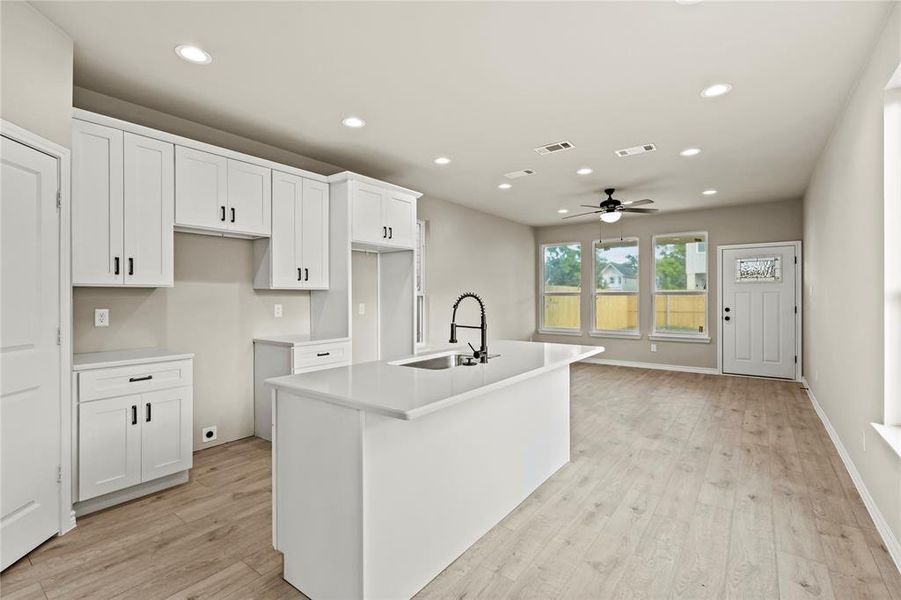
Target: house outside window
680,285
616,289
561,288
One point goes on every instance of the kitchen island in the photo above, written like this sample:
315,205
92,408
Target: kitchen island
385,472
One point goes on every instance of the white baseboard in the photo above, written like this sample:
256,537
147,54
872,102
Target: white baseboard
143,489
888,536
645,365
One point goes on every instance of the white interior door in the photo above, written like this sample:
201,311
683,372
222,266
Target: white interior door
29,350
758,319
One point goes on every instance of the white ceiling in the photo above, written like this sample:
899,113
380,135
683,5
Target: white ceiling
485,83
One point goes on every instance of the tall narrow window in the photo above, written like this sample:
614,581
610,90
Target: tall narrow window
420,282
680,285
616,287
561,287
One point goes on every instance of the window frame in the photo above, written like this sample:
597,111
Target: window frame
420,309
656,335
542,328
605,333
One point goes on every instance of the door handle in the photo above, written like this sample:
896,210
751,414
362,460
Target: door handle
384,232
233,215
144,378
131,266
222,218
306,274
147,418
390,233
134,414
116,267
299,276
727,318
727,309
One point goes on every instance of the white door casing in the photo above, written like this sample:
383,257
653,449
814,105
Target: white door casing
30,385
758,316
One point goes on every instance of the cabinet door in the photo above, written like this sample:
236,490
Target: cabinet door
287,192
368,226
109,445
201,189
249,198
97,205
313,234
149,211
166,421
399,216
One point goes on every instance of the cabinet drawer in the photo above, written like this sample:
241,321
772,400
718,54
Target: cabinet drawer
324,354
134,379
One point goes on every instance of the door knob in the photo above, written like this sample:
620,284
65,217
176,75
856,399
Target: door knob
728,318
727,309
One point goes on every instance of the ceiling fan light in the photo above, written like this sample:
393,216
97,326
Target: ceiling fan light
611,217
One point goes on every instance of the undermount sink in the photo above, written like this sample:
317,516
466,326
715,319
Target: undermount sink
445,361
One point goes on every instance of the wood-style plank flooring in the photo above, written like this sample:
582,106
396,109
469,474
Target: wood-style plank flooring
680,486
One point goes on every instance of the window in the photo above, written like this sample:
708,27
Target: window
419,259
680,285
562,287
616,287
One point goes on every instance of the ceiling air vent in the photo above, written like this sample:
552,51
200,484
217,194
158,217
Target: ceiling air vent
636,150
555,147
518,174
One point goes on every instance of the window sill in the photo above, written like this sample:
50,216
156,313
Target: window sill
891,434
616,335
672,337
572,332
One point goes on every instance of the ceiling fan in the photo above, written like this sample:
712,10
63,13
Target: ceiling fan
611,209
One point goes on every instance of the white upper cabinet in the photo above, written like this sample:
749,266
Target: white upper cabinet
122,208
296,255
249,198
382,216
201,189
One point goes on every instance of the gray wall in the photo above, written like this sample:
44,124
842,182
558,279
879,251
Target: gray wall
766,222
365,290
468,250
36,68
843,337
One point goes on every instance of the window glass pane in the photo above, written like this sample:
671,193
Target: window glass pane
563,268
616,312
562,312
758,269
616,266
681,263
680,313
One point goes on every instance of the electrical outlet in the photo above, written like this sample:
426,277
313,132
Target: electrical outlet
653,347
278,311
101,317
209,433
361,309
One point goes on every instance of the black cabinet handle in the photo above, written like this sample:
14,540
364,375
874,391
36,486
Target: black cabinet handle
233,215
384,232
134,414
116,267
390,233
131,266
144,378
323,353
222,218
147,418
306,274
299,274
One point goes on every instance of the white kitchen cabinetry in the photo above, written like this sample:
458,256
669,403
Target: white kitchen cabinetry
134,424
297,255
214,193
382,216
122,208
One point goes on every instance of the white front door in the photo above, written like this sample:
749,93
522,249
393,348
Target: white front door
759,310
29,350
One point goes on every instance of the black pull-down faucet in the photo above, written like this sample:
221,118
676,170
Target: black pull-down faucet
482,353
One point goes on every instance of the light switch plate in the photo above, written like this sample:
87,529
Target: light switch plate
101,317
361,309
278,311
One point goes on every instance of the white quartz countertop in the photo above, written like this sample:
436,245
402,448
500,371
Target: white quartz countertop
117,358
300,339
390,389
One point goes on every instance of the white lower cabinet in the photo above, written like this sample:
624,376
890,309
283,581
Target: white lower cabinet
129,439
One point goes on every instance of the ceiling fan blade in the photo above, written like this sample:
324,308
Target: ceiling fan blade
589,205
643,211
582,214
638,202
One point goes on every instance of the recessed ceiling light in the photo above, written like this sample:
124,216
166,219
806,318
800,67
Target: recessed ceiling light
709,192
193,54
690,152
584,171
505,186
442,160
353,122
562,211
717,89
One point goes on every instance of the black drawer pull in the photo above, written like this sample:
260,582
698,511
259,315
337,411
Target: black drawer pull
134,414
323,353
148,412
116,268
144,378
222,218
131,266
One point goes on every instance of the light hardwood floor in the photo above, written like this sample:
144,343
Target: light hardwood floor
680,486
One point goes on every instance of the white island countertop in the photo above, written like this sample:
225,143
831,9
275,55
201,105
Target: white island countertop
402,392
